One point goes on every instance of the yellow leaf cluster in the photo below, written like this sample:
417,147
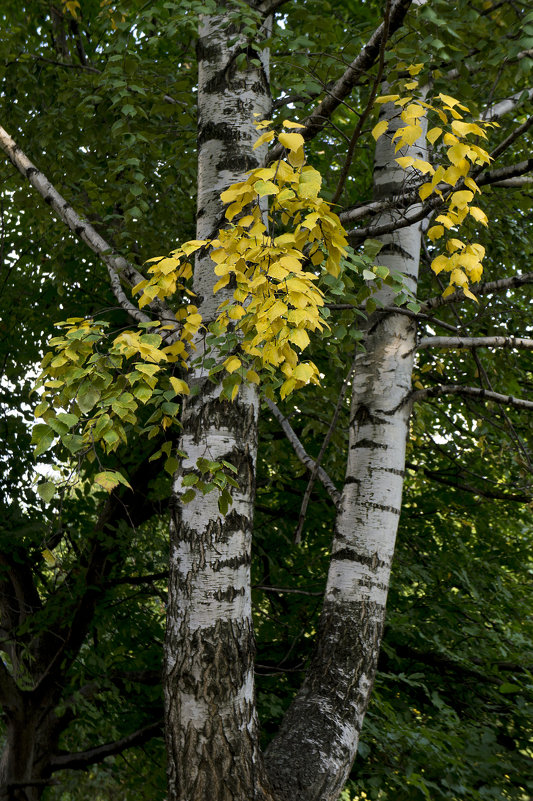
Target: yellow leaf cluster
452,180
276,301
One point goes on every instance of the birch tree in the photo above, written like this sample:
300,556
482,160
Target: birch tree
211,723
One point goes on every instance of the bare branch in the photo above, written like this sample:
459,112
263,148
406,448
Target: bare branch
475,342
301,453
117,266
320,115
484,289
84,759
460,484
513,136
475,392
281,590
325,443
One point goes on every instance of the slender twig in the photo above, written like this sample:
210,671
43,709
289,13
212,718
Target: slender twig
301,453
325,443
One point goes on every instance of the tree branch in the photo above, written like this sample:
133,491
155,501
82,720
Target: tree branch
117,266
301,453
490,177
475,392
483,289
475,342
84,759
344,85
460,484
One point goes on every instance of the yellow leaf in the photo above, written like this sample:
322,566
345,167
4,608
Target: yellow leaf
179,386
412,112
222,283
287,387
414,69
379,129
235,391
296,157
405,161
436,231
310,183
292,141
252,377
304,372
387,98
439,264
409,135
478,215
425,191
457,152
49,557
450,101
291,124
465,128
263,188
300,337
469,294
232,363
193,245
433,134
265,137
234,191
471,184
460,200
454,244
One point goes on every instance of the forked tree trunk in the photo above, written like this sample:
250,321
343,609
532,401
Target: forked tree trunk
211,725
311,757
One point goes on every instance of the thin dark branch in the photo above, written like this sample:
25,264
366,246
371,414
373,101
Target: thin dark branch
84,759
325,443
475,392
301,453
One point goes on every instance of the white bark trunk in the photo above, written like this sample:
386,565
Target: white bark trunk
212,732
311,758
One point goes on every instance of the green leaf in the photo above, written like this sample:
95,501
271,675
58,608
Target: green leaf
46,491
188,496
88,398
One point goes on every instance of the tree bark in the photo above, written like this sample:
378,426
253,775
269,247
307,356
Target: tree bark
211,724
311,757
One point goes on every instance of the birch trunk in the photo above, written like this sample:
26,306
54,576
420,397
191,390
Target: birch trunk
211,725
311,757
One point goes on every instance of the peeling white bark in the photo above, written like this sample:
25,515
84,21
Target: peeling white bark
311,757
209,690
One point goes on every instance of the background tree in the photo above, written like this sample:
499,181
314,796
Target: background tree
89,66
